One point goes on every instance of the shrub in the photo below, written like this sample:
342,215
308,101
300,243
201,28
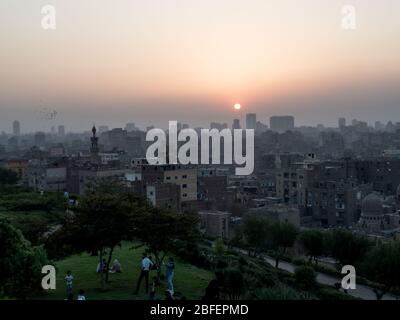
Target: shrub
280,292
305,277
333,294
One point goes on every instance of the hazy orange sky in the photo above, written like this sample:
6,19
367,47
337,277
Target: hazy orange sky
150,61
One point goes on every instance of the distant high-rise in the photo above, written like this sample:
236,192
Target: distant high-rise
236,124
61,131
251,121
40,139
342,123
130,127
16,128
379,126
281,123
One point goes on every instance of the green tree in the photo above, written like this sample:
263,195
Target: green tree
7,177
305,277
232,282
313,242
20,263
105,217
347,248
284,236
382,265
219,247
162,231
256,233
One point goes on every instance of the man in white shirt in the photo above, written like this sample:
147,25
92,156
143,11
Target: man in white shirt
146,267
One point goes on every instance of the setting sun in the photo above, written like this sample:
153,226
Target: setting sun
237,106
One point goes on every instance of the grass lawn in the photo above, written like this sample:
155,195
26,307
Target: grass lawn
189,280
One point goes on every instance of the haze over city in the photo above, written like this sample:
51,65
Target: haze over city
152,61
226,155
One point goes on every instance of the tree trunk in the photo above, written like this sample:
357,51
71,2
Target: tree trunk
159,262
108,262
102,276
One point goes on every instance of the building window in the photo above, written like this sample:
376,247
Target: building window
184,186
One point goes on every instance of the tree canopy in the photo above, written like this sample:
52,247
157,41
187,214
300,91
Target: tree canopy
20,263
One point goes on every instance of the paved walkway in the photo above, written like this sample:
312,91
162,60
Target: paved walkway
361,291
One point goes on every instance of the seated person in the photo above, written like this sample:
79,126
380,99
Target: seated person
102,266
116,267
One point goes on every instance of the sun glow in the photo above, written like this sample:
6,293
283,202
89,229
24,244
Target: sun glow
237,106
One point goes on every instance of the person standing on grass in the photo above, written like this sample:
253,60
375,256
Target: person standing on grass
169,272
146,266
68,282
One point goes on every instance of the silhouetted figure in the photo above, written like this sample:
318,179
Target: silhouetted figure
212,291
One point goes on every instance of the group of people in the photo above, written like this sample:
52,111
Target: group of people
69,278
147,265
115,268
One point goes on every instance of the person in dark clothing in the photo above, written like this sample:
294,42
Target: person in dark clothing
146,267
212,291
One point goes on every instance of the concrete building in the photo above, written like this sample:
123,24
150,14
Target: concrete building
47,176
40,139
215,224
236,124
342,123
109,157
281,123
61,131
374,220
212,192
183,176
20,167
251,121
164,196
16,128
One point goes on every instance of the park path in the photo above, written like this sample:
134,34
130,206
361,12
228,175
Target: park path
361,291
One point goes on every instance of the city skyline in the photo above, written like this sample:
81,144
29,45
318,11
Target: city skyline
245,121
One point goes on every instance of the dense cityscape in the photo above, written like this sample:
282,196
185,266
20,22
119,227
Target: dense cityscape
317,180
199,158
343,177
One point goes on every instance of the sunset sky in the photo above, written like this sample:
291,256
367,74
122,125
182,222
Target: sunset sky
150,61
